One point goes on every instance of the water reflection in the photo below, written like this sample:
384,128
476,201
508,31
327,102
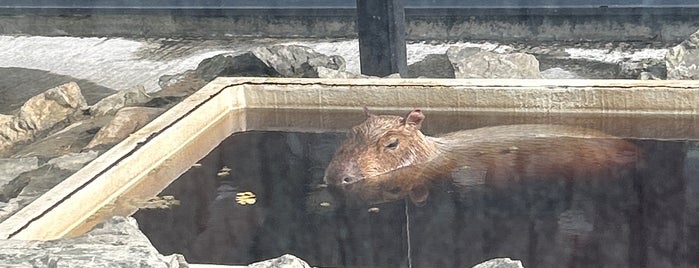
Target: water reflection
644,218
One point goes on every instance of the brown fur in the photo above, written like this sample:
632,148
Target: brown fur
368,166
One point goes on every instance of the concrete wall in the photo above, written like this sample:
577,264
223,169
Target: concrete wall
523,25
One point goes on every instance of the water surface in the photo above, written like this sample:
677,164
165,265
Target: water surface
260,195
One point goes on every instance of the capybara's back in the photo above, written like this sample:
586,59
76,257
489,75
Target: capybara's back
387,157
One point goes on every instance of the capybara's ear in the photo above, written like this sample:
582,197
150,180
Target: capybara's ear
367,112
414,117
419,194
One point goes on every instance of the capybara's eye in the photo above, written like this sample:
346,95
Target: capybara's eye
393,144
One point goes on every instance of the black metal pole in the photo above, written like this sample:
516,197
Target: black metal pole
381,30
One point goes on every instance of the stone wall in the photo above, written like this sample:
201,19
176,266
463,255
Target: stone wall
577,24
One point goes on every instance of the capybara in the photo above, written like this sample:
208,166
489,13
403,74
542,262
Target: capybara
388,158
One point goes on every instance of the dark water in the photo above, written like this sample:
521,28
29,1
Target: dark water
644,217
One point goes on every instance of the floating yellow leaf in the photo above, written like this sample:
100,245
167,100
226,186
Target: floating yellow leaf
245,198
224,171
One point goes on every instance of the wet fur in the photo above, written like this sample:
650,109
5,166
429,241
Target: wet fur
494,156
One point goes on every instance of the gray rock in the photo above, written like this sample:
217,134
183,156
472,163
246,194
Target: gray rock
175,88
285,261
682,61
432,66
40,181
225,65
34,183
500,263
272,61
115,243
73,161
43,111
170,80
10,169
324,72
296,61
8,208
39,114
125,122
470,62
558,73
20,84
648,76
111,104
71,139
632,69
586,69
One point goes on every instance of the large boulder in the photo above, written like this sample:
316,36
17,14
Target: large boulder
125,122
227,65
40,114
471,62
128,97
682,61
432,66
272,61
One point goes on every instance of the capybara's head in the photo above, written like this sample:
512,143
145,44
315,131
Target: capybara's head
368,161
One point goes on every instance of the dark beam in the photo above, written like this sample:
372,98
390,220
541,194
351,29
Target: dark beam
381,29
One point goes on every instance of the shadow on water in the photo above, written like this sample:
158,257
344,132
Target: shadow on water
260,195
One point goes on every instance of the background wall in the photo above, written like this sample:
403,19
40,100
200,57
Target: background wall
504,20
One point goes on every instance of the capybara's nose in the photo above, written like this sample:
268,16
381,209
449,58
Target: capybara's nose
341,173
340,177
350,179
331,178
